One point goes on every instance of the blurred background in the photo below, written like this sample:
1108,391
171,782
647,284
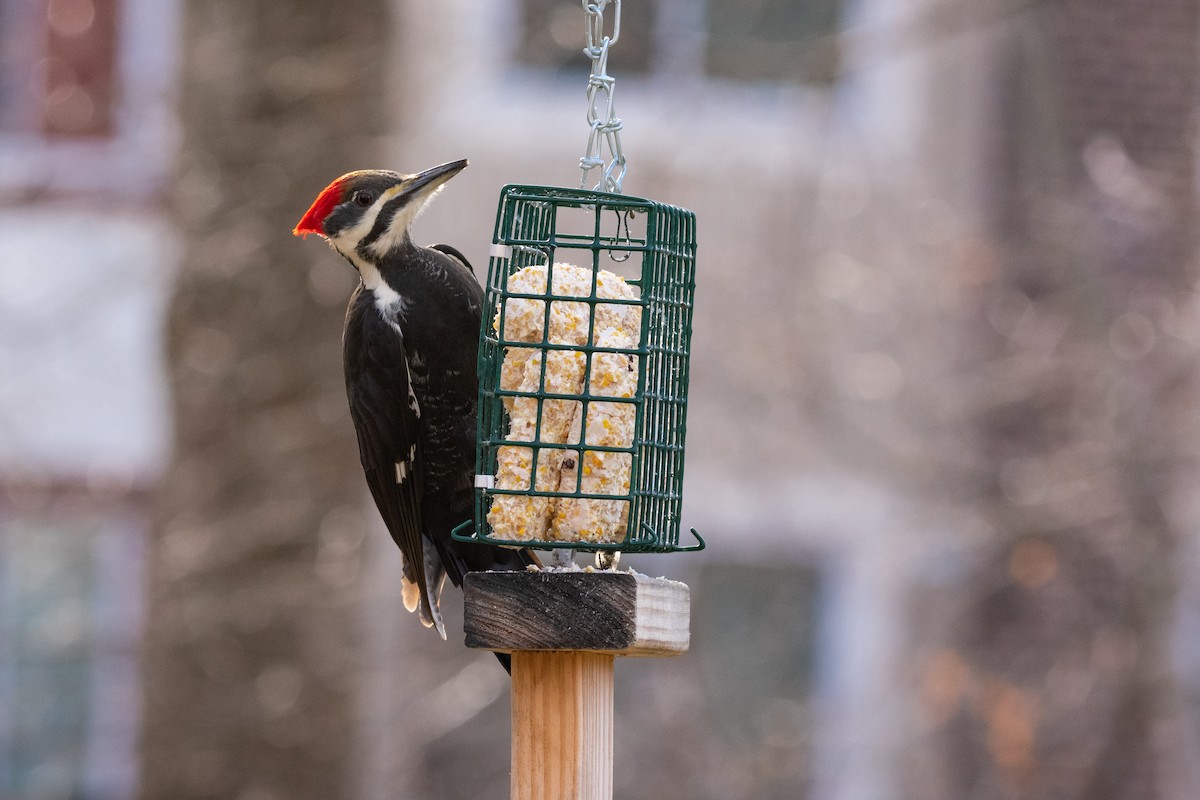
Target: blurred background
944,418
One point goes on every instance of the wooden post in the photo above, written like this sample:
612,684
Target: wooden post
562,725
564,630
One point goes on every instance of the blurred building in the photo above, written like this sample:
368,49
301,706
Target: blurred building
86,153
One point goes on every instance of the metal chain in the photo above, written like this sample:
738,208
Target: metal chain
606,127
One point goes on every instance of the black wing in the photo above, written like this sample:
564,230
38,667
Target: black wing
386,418
453,252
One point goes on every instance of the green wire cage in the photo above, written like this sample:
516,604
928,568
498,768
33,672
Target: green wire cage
576,246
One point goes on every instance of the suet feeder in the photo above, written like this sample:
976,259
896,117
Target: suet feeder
583,399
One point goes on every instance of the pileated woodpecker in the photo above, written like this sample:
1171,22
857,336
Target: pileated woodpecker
409,351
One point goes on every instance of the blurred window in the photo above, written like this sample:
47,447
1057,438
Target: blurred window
743,40
58,67
78,84
773,40
552,36
86,92
755,637
70,584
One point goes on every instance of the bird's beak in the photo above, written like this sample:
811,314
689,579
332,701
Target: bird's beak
430,180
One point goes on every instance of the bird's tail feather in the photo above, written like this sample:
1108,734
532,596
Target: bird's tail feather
410,591
426,603
435,578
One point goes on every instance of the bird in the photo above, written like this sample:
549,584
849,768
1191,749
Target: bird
409,348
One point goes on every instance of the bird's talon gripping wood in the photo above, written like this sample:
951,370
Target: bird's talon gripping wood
410,347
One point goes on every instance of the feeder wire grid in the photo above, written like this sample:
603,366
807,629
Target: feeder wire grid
653,247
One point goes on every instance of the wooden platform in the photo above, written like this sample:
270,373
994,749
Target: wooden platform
621,613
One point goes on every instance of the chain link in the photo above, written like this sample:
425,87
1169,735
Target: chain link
606,127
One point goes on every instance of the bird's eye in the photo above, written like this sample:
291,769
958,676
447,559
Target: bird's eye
363,198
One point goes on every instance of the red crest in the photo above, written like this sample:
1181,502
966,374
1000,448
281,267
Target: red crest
314,219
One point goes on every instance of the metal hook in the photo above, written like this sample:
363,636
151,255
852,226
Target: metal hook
622,219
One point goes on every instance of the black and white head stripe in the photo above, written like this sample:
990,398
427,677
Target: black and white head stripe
360,197
403,203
